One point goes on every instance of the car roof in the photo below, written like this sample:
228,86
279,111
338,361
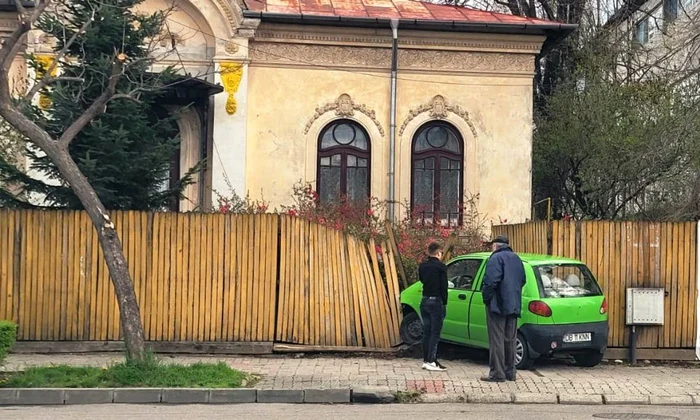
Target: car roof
533,259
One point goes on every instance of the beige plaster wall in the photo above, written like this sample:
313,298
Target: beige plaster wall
497,159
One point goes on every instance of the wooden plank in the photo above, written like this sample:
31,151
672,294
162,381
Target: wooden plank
338,292
667,236
675,330
382,301
394,246
394,295
303,331
373,299
283,302
219,268
171,279
326,284
346,291
687,339
240,274
692,283
5,258
204,280
296,348
313,293
115,325
193,276
248,278
272,261
362,293
183,245
260,277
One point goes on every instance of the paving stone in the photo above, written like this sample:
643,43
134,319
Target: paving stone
580,399
7,396
281,396
534,398
39,396
373,395
138,395
495,398
696,399
89,396
613,399
671,400
185,396
327,396
232,396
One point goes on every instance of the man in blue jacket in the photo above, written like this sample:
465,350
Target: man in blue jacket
502,293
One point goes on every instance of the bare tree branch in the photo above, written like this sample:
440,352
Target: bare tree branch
96,108
47,78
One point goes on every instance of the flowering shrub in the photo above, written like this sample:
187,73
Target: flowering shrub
234,204
365,220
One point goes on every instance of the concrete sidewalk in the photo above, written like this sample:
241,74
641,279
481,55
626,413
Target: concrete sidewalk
614,382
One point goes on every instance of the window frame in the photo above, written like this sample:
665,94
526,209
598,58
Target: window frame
437,153
465,261
344,151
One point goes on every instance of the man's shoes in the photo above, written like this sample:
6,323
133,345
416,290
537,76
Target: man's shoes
490,379
510,378
433,367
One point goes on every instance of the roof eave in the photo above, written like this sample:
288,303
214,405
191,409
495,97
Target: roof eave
556,30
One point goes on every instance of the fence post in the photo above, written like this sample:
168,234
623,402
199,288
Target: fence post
550,225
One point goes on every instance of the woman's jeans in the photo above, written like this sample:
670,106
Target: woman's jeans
433,313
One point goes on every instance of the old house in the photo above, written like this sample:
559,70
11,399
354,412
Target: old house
402,100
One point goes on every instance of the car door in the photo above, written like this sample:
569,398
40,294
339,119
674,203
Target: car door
461,274
478,334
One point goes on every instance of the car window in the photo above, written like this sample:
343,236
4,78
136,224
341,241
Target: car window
566,280
461,274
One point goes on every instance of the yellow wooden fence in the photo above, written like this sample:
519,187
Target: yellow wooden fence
623,255
197,277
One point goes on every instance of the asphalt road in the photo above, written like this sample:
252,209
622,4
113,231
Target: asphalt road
348,412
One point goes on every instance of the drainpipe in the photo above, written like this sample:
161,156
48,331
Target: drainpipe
392,124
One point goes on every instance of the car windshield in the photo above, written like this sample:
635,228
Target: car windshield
566,280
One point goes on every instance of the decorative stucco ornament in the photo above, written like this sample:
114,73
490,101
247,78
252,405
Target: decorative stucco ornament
46,61
438,108
231,75
344,106
231,47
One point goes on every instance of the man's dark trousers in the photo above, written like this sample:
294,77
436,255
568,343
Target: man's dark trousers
503,331
433,313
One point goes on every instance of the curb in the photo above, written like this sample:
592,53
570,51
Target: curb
359,395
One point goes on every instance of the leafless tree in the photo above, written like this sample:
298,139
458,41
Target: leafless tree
11,109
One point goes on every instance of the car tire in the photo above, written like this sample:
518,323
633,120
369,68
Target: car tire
589,359
523,360
411,329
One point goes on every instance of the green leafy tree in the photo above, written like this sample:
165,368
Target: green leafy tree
126,151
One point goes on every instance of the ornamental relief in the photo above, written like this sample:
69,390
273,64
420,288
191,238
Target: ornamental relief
344,106
439,109
305,54
346,38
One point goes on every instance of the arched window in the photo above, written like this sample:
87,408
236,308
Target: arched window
343,162
437,159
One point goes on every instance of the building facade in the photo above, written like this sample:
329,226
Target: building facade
307,96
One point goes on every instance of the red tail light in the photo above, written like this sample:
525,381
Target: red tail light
604,307
540,308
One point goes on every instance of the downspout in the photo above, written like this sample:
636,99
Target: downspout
392,118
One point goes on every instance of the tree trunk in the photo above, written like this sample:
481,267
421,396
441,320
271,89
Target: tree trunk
130,317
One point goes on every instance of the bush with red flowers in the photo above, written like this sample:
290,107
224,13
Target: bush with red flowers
365,220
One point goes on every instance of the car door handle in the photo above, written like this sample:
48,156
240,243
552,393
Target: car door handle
462,297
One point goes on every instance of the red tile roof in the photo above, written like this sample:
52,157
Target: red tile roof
388,9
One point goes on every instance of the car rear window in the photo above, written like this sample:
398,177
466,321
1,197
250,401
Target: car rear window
566,281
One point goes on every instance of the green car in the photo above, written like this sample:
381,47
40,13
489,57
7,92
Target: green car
564,310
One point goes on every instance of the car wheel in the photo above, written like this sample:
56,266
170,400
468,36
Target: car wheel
411,329
523,361
589,359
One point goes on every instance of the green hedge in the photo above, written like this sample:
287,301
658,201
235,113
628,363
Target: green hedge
8,332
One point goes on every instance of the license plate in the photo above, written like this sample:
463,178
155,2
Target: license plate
577,338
